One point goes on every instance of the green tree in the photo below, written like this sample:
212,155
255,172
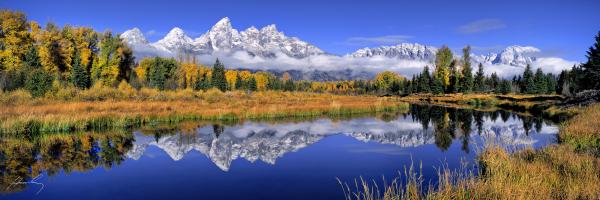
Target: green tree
591,68
424,79
32,59
218,76
252,84
467,74
437,85
455,78
551,83
239,83
160,71
79,76
38,82
202,82
540,82
479,83
528,83
504,87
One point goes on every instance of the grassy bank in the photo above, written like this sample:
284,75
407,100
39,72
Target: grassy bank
117,108
568,170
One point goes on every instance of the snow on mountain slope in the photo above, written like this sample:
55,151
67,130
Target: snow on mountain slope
222,37
409,51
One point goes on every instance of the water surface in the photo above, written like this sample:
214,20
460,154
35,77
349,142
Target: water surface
298,159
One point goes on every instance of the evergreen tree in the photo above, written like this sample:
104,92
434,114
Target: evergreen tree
288,85
38,82
238,82
32,59
79,76
479,83
591,68
218,76
528,83
494,81
424,80
540,82
252,84
202,82
437,85
160,72
467,74
550,83
504,87
455,78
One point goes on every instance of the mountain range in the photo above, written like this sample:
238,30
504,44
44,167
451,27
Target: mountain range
268,43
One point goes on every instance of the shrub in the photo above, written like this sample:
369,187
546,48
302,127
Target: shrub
212,95
127,90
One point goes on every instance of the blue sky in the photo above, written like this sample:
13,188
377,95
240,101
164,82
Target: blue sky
559,28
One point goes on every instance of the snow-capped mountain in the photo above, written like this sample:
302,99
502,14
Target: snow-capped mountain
222,37
175,42
408,51
512,55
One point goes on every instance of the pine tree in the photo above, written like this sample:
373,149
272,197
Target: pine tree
38,82
456,85
591,68
238,82
252,84
504,87
202,82
479,82
79,76
527,83
218,76
32,59
540,82
423,81
494,81
550,83
467,74
437,85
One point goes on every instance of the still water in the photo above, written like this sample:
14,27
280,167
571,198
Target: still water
288,159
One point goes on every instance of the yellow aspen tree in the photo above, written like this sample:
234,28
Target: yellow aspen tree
231,78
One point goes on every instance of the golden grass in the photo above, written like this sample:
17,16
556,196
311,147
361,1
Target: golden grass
583,131
140,107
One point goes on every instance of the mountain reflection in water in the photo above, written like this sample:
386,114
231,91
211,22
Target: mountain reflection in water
252,141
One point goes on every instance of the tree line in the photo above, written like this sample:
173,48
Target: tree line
37,59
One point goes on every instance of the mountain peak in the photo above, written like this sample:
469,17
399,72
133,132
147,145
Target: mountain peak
176,32
223,24
133,36
269,28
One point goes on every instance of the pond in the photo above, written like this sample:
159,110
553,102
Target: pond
287,159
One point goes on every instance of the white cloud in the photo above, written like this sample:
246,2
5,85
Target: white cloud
548,64
481,26
317,62
381,40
